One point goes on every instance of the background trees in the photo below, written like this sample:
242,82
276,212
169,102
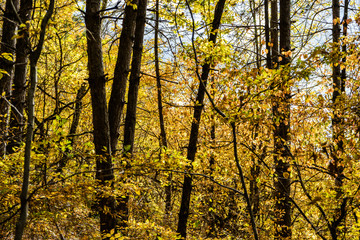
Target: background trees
276,145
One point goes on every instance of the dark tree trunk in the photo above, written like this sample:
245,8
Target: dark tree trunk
16,125
130,120
7,46
117,98
34,57
192,147
281,118
74,125
274,25
336,167
267,35
210,201
339,88
163,139
97,80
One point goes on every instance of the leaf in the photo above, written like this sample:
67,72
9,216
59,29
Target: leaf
127,148
7,56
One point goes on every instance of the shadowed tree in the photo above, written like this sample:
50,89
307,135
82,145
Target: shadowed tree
281,126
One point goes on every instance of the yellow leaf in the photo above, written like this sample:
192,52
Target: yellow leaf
7,56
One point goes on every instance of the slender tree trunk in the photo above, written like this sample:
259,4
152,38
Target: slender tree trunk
7,46
34,57
274,41
20,225
130,120
16,125
117,98
267,35
336,167
281,123
243,184
192,147
163,140
104,168
210,201
74,125
254,188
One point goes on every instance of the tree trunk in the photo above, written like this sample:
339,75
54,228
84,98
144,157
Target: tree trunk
274,38
20,225
192,147
104,168
281,123
74,125
34,57
7,46
163,140
16,125
336,166
117,98
130,120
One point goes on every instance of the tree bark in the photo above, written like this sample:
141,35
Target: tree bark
163,139
16,125
192,147
7,46
117,98
274,38
34,57
336,165
267,35
281,124
104,168
130,120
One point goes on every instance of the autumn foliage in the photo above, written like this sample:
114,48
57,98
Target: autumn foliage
149,119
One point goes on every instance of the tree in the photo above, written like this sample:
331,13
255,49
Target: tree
7,64
274,135
97,81
34,57
281,125
16,126
192,147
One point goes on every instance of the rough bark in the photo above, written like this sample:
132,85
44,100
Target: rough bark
16,125
7,46
104,168
117,98
34,57
130,119
281,119
192,146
